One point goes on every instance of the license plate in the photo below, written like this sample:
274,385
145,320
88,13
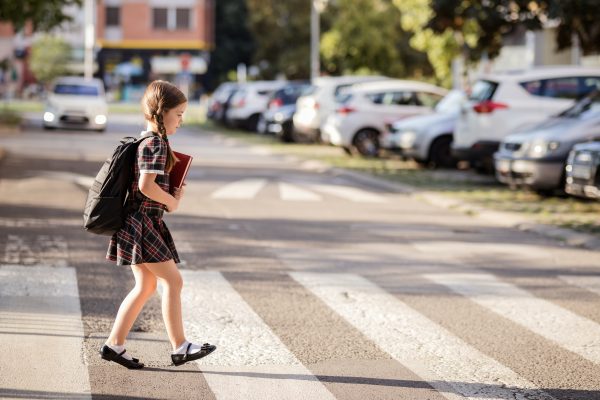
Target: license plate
582,171
503,166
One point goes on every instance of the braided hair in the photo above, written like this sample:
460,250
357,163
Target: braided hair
160,97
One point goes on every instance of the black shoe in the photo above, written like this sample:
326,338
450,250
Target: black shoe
179,359
109,354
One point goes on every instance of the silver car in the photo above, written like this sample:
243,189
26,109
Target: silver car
536,157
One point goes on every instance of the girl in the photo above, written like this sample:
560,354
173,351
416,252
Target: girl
144,242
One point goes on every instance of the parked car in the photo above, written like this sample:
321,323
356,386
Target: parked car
278,118
427,138
313,107
501,103
536,157
76,102
219,101
249,101
361,116
583,171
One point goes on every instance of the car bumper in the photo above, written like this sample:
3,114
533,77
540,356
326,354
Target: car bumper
53,119
531,173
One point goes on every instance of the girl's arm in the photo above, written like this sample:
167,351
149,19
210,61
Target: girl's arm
151,189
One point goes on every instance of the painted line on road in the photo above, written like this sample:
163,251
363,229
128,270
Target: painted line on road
244,189
591,282
291,192
451,366
41,333
569,330
349,193
251,362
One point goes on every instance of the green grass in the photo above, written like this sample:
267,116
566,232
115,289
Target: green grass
570,212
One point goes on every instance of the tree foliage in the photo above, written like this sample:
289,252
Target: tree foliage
49,57
577,18
233,41
366,36
42,14
282,33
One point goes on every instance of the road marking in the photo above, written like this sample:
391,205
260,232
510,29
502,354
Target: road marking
567,329
349,193
290,192
591,283
446,362
49,250
244,189
41,333
251,362
492,250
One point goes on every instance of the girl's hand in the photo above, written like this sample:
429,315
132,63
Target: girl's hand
178,193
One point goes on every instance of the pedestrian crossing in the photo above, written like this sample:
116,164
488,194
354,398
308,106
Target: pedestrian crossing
248,189
39,309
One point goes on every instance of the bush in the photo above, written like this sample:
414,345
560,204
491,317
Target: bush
9,117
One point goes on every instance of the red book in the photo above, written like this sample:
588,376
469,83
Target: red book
179,171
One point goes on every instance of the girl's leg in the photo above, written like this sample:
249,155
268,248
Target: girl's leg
172,282
145,286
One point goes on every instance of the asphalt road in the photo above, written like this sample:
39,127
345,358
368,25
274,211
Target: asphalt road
312,285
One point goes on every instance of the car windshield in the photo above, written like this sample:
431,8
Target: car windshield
589,105
76,90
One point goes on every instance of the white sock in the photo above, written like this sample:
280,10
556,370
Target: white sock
119,349
194,348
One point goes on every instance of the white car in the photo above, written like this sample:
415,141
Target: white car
249,101
361,117
313,108
76,102
501,103
427,138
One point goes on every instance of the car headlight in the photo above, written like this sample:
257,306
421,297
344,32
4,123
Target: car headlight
100,119
48,116
407,138
541,148
278,117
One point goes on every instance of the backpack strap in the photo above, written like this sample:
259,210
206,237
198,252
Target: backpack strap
135,204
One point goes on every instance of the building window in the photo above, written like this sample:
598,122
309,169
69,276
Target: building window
113,16
159,18
182,18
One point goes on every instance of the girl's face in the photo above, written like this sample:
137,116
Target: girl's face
173,118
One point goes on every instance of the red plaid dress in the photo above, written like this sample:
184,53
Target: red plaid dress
144,238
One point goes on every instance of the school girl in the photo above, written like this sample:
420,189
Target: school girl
144,242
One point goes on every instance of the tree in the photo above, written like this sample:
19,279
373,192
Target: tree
233,41
49,57
42,14
367,36
282,33
576,18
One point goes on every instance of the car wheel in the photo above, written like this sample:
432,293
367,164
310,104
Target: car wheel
440,155
366,142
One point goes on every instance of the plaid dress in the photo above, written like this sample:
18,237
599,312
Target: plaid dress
144,237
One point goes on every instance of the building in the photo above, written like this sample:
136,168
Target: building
141,40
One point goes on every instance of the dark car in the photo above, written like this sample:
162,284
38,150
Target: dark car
219,101
277,119
583,171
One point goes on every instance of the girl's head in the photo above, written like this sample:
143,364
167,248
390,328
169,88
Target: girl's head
163,105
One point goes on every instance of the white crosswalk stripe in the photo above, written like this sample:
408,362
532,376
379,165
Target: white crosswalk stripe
294,193
349,193
567,329
591,283
250,358
41,332
244,189
446,362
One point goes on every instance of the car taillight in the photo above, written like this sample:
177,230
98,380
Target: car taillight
488,106
275,103
345,110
